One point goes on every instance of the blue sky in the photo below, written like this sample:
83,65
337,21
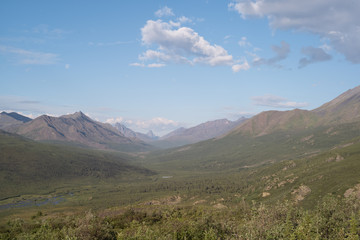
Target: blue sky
164,64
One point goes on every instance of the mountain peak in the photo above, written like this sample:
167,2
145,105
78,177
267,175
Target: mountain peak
344,108
12,120
17,116
76,115
341,98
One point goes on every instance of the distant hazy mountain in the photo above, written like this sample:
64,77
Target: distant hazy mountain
127,132
79,129
176,132
8,120
201,132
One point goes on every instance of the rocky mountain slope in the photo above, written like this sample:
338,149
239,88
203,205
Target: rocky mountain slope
13,119
79,129
127,132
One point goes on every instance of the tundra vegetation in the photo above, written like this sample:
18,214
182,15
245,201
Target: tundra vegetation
280,175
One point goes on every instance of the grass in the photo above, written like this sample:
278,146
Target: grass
333,218
30,167
238,150
212,180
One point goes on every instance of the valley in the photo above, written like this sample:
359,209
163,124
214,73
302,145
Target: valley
275,165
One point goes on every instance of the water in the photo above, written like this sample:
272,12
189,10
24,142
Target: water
35,202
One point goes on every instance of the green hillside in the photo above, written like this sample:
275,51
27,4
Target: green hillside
238,150
29,167
331,172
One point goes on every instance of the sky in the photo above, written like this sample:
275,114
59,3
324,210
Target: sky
161,65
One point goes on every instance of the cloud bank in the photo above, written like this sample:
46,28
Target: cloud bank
281,52
336,20
158,125
313,55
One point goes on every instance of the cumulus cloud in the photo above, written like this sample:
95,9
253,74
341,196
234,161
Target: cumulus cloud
159,125
181,44
281,52
27,57
313,55
336,20
277,102
164,12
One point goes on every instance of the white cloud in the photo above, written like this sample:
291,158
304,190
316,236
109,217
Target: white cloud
313,55
164,57
114,120
180,45
159,125
184,19
238,67
137,64
326,47
151,65
336,20
277,102
67,66
156,65
26,57
164,12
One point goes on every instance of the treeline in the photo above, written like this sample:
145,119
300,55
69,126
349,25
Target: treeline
332,218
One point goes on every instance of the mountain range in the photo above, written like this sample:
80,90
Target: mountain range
273,136
80,130
274,153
